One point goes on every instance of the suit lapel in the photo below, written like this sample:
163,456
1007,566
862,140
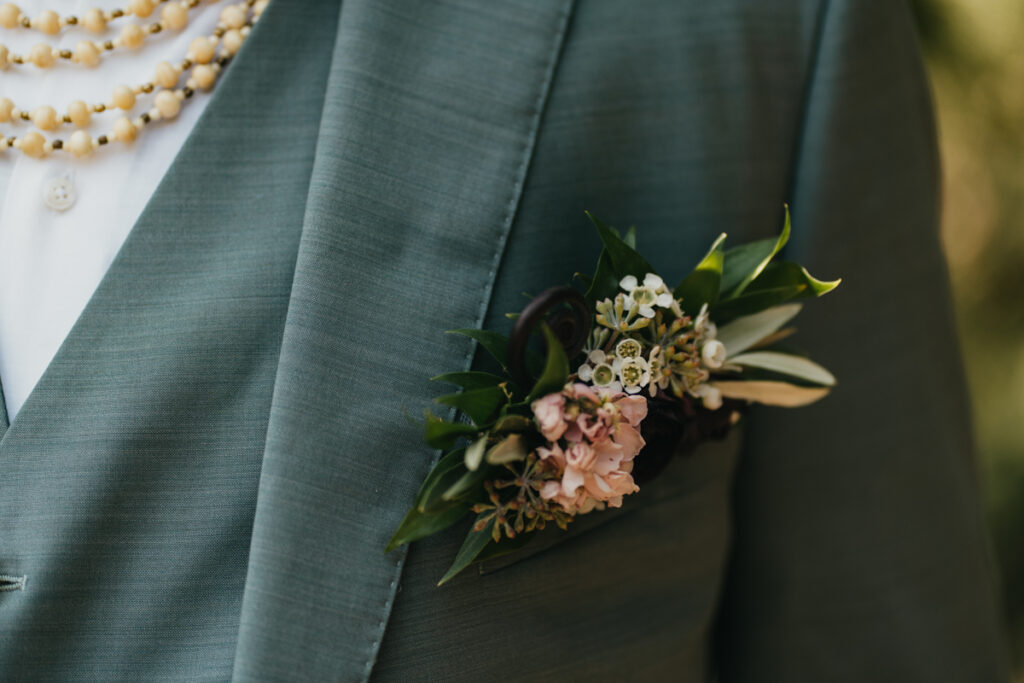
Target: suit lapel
429,121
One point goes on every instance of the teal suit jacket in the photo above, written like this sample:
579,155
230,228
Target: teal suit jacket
203,482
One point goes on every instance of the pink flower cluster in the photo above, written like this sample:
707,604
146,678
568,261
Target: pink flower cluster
593,436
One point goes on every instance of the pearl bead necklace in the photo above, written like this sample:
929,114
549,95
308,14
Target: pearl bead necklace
203,59
95,20
174,16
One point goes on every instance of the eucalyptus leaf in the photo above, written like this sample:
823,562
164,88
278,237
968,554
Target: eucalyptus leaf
442,434
478,404
467,483
494,343
475,454
624,259
417,525
795,366
441,466
475,542
469,380
556,367
745,262
509,449
741,334
701,286
446,472
771,393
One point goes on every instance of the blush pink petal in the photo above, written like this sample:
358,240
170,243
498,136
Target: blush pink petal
554,452
622,483
572,479
550,414
598,488
582,391
633,408
629,438
573,432
593,429
550,490
580,456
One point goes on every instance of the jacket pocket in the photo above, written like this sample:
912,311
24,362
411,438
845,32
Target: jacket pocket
706,471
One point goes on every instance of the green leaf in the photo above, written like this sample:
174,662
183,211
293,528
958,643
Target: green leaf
471,547
777,284
446,472
745,262
772,393
494,343
475,454
604,284
512,423
507,545
795,366
478,404
469,380
701,286
442,434
624,259
556,367
794,276
751,303
417,525
741,334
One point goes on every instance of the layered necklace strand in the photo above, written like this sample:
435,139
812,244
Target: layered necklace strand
205,59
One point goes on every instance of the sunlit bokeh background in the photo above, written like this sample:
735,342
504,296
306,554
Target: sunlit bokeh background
975,55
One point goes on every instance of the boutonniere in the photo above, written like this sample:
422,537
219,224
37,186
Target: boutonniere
632,373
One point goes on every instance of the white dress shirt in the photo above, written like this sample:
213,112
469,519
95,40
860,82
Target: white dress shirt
51,260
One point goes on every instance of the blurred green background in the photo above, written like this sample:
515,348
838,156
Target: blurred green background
975,55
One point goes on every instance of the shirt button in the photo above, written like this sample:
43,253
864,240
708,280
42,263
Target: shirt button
59,193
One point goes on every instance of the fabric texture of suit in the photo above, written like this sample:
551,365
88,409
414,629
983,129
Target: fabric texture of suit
202,485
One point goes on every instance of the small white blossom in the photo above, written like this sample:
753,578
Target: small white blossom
634,374
620,314
628,348
660,373
713,354
651,293
599,372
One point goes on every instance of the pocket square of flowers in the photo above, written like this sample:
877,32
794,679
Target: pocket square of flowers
632,373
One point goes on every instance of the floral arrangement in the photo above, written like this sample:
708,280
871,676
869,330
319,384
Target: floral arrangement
632,373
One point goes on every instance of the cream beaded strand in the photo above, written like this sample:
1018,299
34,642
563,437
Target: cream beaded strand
202,58
51,23
174,16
